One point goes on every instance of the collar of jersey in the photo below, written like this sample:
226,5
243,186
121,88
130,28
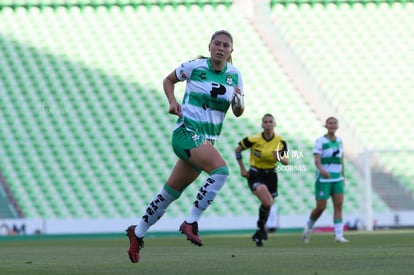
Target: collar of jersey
210,66
263,136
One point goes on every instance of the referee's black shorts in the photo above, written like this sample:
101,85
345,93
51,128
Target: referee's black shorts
267,177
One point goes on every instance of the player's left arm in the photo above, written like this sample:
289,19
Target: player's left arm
237,102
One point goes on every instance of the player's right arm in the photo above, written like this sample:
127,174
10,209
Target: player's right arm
318,165
169,84
239,159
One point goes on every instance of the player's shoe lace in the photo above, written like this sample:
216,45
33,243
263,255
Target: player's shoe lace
306,235
191,231
135,244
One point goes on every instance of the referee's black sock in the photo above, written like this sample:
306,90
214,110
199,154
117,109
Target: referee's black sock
263,215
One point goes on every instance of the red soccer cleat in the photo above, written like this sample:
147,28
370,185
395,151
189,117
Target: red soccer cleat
135,244
191,231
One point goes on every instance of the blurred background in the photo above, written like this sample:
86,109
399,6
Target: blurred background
85,130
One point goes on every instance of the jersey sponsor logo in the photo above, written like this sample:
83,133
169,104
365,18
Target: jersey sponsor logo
203,75
217,89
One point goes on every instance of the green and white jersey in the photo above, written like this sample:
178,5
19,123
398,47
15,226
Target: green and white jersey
331,157
207,97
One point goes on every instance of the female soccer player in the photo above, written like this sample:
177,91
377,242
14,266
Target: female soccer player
211,86
266,150
328,153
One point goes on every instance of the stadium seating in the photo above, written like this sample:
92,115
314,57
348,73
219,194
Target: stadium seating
358,53
86,131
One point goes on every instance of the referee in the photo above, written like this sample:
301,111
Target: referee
266,150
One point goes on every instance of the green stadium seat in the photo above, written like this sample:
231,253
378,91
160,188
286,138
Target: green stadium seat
101,90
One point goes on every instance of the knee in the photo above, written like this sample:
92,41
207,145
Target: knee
222,170
218,177
268,203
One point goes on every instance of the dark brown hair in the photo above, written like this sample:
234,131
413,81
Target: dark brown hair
329,118
268,115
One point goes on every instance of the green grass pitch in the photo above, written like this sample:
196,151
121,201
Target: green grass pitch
379,252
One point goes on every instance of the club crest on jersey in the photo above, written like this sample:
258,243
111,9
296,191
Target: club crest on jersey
229,79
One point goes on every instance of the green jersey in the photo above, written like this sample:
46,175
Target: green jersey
207,97
331,158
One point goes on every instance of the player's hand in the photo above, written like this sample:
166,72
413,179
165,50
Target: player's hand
244,173
325,174
237,103
238,91
175,109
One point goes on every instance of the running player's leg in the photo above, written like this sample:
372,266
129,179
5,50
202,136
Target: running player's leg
266,202
182,175
208,159
264,186
322,193
338,199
